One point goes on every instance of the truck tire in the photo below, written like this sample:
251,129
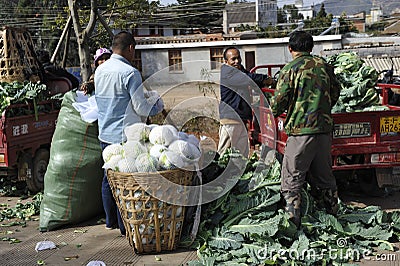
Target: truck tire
369,184
40,162
25,163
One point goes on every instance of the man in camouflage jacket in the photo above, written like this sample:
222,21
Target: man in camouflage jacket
307,89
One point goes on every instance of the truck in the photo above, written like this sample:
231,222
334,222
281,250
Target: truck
26,129
25,137
365,146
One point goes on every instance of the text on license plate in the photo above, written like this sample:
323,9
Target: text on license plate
390,124
351,130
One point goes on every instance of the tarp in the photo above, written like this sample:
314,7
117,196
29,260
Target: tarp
72,183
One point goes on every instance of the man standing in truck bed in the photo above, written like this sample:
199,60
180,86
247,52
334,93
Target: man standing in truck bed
53,71
307,89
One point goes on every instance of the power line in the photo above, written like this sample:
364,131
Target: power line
164,15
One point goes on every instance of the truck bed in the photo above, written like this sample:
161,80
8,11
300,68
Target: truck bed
24,133
368,139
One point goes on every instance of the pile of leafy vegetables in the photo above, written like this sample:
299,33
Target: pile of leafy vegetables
25,92
9,187
21,212
247,226
358,84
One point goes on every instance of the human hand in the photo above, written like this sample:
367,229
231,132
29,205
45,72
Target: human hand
268,81
87,87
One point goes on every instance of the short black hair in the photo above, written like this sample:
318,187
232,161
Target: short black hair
229,48
301,41
122,40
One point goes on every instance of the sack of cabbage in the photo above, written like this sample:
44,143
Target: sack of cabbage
152,148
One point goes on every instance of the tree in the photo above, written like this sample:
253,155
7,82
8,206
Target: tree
322,12
281,16
82,35
293,12
122,14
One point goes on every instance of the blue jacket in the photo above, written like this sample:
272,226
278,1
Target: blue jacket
120,98
235,90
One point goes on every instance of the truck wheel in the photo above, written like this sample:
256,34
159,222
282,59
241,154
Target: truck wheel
40,162
24,171
369,184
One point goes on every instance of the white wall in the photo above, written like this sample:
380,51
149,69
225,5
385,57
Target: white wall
196,56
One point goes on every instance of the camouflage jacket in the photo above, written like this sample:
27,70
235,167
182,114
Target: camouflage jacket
306,89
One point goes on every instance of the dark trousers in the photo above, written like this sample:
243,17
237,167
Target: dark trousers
113,217
307,154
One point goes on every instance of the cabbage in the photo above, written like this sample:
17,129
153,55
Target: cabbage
169,160
110,150
194,140
188,150
156,150
137,131
148,146
151,126
133,148
146,163
182,135
112,163
164,135
172,128
127,165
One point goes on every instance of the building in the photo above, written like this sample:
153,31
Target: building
266,13
307,12
375,15
358,21
181,62
236,15
261,13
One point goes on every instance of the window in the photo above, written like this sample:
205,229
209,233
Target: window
216,57
152,30
135,31
137,62
175,60
160,31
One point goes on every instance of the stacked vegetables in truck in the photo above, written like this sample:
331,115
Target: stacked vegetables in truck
28,121
358,82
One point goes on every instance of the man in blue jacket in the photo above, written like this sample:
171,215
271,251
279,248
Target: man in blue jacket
235,106
121,101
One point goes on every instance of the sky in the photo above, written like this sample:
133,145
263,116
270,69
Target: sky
280,2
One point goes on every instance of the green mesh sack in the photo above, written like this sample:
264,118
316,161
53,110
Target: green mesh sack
72,183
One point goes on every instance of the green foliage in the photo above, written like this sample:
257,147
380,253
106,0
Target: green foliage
25,93
358,83
247,227
19,92
21,211
293,11
322,13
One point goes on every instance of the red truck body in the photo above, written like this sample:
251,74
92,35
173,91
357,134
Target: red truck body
22,134
25,137
361,140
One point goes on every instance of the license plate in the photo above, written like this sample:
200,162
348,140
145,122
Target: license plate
390,124
351,130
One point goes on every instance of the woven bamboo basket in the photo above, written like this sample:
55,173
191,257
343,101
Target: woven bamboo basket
17,56
151,225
